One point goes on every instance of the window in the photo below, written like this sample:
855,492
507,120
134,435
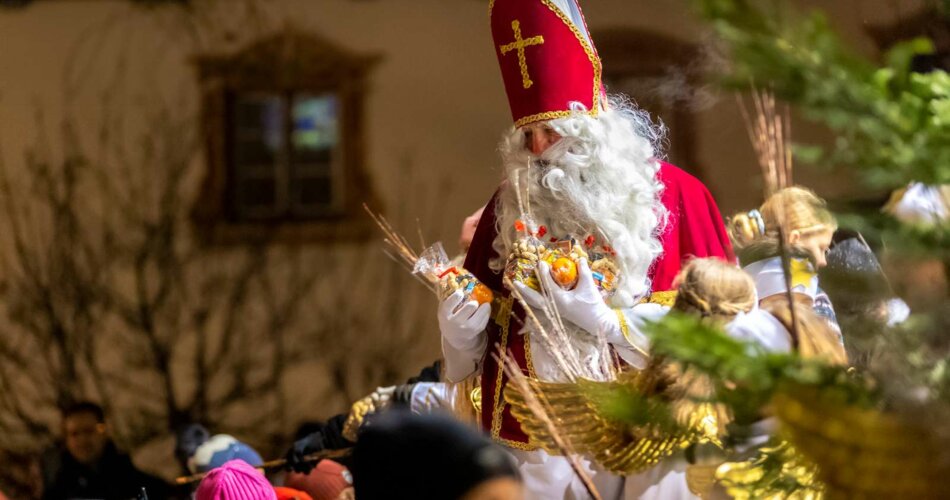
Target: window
283,135
285,156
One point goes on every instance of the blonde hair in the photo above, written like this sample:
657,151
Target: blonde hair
793,209
814,337
712,288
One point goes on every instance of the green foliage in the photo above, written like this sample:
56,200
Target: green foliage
746,377
623,403
924,241
891,124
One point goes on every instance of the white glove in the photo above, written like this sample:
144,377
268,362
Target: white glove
463,327
463,335
583,306
381,397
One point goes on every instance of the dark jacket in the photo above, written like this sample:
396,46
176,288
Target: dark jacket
113,477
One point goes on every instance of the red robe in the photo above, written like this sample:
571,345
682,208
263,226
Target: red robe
694,229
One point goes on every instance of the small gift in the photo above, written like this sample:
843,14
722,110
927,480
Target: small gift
527,251
434,265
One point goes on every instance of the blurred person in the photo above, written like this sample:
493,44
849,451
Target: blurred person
798,212
187,440
220,449
587,167
808,228
402,455
329,480
88,465
285,493
235,480
468,230
339,431
723,295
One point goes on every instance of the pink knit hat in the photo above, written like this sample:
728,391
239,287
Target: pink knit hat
235,480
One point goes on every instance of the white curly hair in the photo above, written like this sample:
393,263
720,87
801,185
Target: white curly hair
600,178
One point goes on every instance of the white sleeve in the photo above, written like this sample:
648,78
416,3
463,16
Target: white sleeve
461,363
629,341
761,328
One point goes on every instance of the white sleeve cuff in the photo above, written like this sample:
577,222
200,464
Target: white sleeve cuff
461,363
628,339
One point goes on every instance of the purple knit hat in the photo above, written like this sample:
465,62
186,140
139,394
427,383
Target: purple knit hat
235,480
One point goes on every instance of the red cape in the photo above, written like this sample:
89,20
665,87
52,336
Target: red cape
694,229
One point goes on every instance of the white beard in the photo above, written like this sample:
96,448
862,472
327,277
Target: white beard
599,179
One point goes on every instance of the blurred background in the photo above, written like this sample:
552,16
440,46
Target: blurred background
183,238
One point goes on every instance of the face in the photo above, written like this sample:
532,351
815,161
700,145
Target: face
347,494
817,244
85,437
538,137
504,488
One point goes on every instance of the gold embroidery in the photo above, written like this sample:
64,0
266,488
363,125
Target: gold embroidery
591,55
503,310
527,355
504,322
588,49
623,324
664,298
625,329
517,445
519,45
540,117
499,407
476,398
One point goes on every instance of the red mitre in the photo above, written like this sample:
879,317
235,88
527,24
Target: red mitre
547,59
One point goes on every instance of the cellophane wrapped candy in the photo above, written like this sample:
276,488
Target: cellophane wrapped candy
605,271
563,256
435,266
524,257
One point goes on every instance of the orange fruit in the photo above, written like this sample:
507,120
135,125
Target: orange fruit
481,294
564,271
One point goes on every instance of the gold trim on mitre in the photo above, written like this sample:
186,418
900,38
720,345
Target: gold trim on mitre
591,55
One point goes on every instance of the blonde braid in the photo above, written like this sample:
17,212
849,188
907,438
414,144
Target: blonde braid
713,288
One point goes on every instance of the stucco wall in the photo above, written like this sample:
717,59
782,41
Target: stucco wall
435,102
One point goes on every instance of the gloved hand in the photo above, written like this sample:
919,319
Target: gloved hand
382,397
301,448
583,306
358,412
463,327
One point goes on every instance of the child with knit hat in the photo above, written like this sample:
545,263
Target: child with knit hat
327,481
235,480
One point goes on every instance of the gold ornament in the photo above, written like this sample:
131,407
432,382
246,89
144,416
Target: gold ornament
354,420
863,452
577,409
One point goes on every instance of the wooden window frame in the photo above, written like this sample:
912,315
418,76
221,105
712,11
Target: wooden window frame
285,64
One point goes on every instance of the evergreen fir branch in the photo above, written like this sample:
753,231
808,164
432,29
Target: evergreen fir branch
891,124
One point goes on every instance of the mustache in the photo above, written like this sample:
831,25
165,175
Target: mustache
554,156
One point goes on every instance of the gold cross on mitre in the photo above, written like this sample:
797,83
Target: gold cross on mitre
519,44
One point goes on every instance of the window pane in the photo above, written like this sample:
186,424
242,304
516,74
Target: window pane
256,193
259,120
249,152
316,128
257,152
315,193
